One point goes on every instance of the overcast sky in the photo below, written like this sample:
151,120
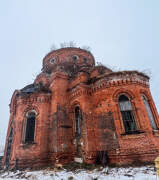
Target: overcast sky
122,34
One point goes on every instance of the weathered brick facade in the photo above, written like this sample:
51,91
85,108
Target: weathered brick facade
78,114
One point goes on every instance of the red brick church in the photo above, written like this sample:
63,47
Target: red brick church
75,110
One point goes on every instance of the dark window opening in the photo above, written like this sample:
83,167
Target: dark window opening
127,115
85,59
30,127
75,57
149,113
102,158
78,118
52,60
9,148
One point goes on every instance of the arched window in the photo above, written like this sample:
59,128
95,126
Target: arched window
30,127
78,119
149,113
127,115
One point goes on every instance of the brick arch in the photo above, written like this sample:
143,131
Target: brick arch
126,92
151,105
73,104
146,94
31,108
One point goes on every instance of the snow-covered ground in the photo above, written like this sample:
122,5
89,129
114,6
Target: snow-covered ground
131,173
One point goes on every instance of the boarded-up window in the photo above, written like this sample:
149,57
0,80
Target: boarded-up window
30,127
149,113
127,115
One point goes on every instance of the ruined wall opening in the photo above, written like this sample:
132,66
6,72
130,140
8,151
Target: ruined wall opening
127,115
8,153
78,118
149,113
30,127
78,121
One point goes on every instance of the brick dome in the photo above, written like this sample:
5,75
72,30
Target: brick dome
67,56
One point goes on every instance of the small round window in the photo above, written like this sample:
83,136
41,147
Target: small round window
52,60
75,57
85,59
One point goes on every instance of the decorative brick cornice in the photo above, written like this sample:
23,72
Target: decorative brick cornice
106,83
45,98
124,75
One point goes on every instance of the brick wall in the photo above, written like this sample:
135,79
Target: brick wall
96,91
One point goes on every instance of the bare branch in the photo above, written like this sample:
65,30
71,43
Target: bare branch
87,48
53,47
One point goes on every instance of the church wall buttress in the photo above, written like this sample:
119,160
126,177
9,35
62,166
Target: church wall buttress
60,139
84,104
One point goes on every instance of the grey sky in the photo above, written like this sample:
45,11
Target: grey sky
121,33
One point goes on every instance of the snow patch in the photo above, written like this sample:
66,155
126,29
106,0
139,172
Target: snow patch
140,173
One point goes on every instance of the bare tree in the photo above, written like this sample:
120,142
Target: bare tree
53,47
147,72
63,45
72,44
87,48
68,44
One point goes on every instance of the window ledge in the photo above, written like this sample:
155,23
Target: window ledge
23,144
133,133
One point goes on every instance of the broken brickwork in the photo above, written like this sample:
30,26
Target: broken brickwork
81,110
